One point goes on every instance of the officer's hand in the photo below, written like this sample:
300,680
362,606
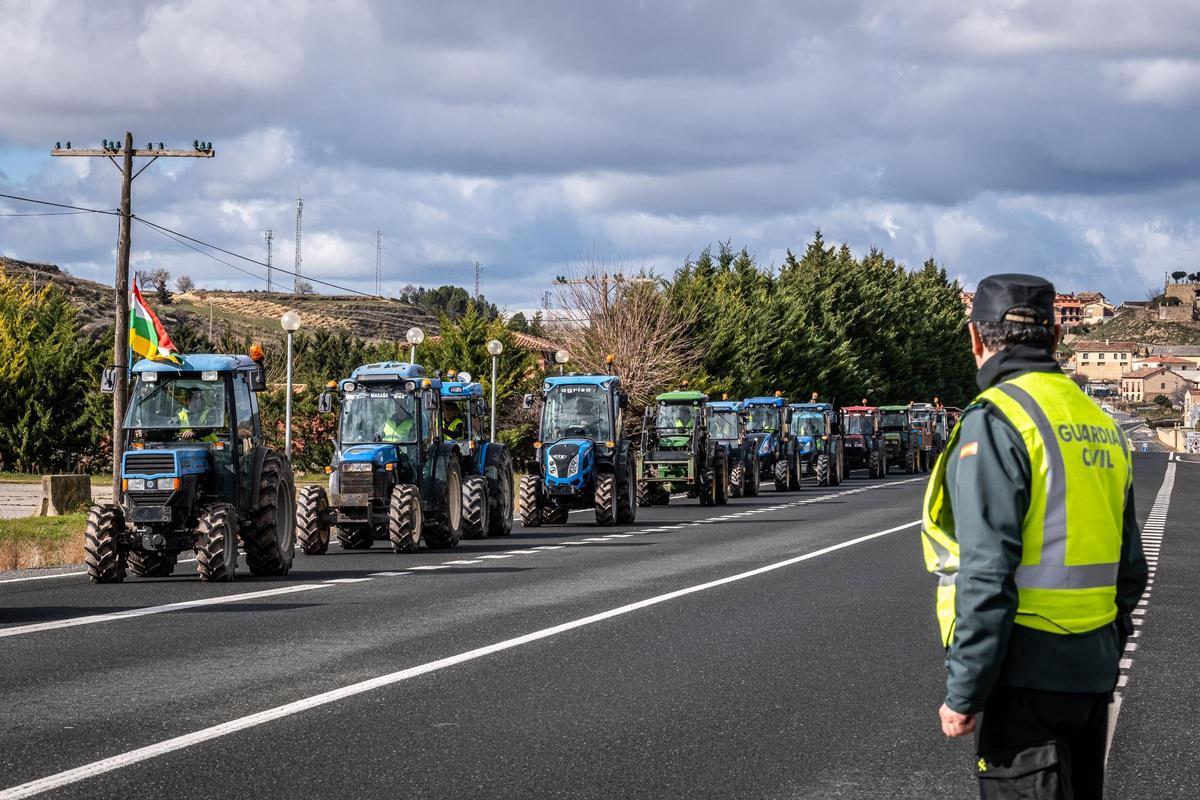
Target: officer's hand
188,434
956,724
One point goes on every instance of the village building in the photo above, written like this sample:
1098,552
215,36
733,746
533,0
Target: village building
1104,360
1144,385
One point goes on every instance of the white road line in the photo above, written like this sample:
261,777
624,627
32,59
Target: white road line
141,754
346,580
497,555
429,567
70,574
93,619
460,563
388,574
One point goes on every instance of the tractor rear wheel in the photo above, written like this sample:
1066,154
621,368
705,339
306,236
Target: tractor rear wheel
105,563
645,494
151,565
216,543
737,477
874,469
405,518
706,491
474,507
312,528
781,475
355,537
910,462
822,470
753,477
627,498
605,501
500,514
721,482
271,542
444,528
531,509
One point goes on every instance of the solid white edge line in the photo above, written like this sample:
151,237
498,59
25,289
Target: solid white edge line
253,720
92,619
67,574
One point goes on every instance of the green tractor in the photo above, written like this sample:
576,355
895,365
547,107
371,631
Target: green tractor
677,452
196,476
727,425
908,443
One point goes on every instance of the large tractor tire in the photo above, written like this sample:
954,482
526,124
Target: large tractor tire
627,492
151,565
822,470
500,488
874,468
883,464
753,478
645,494
605,501
105,563
216,543
737,479
312,527
474,507
555,516
707,490
530,501
355,537
405,518
795,473
271,542
910,462
443,529
782,479
721,481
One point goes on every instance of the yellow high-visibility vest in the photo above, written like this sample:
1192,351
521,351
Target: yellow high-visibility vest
1071,535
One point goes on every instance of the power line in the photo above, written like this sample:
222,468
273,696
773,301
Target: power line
47,214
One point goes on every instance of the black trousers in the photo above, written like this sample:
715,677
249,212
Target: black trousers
1037,745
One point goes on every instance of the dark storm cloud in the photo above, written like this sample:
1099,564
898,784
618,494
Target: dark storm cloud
525,134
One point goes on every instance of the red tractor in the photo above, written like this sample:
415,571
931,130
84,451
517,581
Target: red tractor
862,439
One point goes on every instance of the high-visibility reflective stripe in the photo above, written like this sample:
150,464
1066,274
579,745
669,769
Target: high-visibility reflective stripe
1052,571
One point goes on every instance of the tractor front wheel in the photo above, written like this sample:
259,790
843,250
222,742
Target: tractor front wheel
531,507
216,543
627,499
105,563
555,516
753,477
500,516
781,475
721,482
151,565
270,543
737,476
822,470
605,501
312,527
474,507
356,537
910,462
405,518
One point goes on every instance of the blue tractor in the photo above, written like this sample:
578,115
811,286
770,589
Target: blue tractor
767,427
583,459
394,476
727,426
487,466
195,476
818,441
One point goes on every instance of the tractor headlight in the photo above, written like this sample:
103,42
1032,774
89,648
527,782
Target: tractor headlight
357,466
571,470
135,484
765,447
551,468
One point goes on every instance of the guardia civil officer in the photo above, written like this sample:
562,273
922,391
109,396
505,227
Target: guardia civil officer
1029,524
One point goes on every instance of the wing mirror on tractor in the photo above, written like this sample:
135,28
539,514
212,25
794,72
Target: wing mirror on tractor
527,401
429,400
108,380
622,400
325,403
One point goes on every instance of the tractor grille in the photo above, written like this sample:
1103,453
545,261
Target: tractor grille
356,482
157,497
149,464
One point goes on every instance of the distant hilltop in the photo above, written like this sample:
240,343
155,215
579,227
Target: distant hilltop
242,315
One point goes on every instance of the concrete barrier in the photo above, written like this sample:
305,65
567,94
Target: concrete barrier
62,494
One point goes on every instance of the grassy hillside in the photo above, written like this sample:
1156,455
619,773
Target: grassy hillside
1142,327
252,315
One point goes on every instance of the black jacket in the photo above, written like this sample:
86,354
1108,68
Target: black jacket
989,495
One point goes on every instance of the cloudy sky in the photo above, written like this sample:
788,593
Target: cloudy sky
1058,138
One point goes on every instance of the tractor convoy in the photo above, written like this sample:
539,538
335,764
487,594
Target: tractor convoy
413,466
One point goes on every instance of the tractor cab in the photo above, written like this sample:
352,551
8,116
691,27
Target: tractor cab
462,410
862,438
726,421
907,436
486,465
816,437
195,475
677,453
727,426
767,425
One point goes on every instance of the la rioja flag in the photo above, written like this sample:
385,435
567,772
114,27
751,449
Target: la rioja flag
147,337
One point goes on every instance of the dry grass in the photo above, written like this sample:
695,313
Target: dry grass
41,541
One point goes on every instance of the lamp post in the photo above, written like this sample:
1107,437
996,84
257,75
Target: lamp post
290,322
414,336
495,347
561,357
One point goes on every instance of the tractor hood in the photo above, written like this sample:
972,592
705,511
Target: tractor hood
893,436
764,442
806,443
854,440
570,460
370,453
165,462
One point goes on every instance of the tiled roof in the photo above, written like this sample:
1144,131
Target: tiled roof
1114,347
1147,372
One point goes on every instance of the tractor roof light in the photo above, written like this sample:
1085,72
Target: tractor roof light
331,385
256,353
209,375
150,377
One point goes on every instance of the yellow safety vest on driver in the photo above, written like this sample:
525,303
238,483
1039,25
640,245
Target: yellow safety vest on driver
1071,535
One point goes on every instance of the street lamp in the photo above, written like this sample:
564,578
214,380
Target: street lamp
495,347
561,357
290,321
414,336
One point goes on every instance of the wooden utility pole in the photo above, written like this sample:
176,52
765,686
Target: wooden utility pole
616,278
121,282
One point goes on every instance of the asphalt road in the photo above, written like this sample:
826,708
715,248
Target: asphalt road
782,646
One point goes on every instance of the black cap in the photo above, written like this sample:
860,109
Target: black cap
997,295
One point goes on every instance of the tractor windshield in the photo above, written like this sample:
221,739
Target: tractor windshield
763,418
379,416
176,404
894,419
723,425
808,424
859,425
676,417
579,411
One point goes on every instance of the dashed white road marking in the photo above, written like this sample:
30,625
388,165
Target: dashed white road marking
93,619
177,743
388,574
497,555
346,580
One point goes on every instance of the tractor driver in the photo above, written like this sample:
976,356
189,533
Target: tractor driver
399,426
453,426
197,412
583,418
684,421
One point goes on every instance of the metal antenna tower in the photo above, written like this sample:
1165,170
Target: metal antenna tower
270,236
378,262
299,214
478,278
